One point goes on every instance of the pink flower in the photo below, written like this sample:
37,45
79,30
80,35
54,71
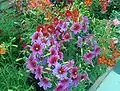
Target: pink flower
74,72
36,35
59,88
116,22
66,36
45,83
31,64
76,28
38,72
88,57
37,48
53,60
60,70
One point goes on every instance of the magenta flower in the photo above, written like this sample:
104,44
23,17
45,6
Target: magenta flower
74,72
88,57
75,81
37,48
45,83
38,72
79,42
53,60
76,28
60,70
96,50
66,36
31,64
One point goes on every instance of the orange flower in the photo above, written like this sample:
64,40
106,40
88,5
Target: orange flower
111,62
116,53
2,49
102,59
88,2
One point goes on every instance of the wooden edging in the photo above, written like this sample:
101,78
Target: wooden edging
99,80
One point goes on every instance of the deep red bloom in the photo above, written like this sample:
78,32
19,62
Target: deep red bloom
55,20
51,29
40,28
68,13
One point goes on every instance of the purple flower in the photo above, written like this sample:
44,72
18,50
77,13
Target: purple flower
96,50
85,19
38,72
75,81
76,28
31,63
60,71
65,82
85,24
45,83
79,42
53,60
66,36
74,72
88,57
64,26
84,27
37,48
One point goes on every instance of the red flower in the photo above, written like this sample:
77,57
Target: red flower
68,13
55,20
51,29
40,28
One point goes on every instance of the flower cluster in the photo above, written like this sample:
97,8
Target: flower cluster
47,58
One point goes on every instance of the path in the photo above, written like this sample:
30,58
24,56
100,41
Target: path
112,81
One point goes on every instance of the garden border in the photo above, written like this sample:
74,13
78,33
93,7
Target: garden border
100,80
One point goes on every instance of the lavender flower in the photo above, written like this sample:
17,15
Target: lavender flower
45,83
